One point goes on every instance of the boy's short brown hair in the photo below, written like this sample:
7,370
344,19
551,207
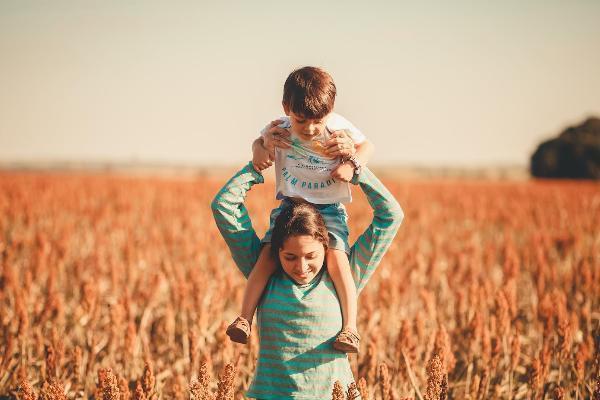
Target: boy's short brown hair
309,92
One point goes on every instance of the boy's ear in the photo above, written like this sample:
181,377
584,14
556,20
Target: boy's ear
286,109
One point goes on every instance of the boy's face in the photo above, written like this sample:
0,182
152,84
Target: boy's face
304,127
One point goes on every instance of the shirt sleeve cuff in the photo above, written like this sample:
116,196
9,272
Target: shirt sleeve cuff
259,178
356,179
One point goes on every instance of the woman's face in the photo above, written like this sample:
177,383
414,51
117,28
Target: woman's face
302,257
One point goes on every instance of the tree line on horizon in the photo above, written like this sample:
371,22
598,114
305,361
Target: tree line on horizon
574,154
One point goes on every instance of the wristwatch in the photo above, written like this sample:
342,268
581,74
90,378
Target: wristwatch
354,161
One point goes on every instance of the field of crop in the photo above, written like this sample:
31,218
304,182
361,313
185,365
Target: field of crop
115,287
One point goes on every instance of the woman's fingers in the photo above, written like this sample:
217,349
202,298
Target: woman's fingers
279,137
276,136
338,153
338,133
332,143
277,131
263,165
280,131
339,137
344,152
340,147
281,143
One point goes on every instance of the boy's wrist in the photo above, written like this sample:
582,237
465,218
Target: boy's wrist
354,162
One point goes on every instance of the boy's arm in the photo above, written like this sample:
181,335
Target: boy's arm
233,220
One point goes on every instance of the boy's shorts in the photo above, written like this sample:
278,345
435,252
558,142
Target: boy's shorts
336,222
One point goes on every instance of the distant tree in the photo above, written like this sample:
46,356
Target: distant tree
574,154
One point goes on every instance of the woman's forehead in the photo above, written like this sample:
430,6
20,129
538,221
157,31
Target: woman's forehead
301,244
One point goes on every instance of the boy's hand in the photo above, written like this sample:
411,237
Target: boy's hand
340,145
344,172
276,137
261,157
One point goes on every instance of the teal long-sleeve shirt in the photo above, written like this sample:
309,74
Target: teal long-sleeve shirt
297,324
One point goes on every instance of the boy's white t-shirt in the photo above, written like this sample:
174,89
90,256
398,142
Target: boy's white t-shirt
304,171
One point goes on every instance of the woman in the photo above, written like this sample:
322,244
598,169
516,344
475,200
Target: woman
299,315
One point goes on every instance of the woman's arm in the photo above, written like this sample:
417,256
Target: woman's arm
233,220
371,245
364,151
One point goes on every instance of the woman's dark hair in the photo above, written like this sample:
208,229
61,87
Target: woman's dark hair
298,219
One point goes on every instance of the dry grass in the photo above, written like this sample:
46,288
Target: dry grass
113,288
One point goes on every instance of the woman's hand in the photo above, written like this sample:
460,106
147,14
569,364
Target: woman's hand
275,137
263,149
261,157
340,145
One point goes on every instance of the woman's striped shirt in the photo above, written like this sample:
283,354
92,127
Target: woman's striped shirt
297,324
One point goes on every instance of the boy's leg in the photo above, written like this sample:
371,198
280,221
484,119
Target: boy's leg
239,330
257,281
338,267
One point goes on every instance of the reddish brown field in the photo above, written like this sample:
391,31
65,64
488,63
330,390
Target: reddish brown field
120,288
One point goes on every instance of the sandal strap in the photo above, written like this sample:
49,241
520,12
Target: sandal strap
349,335
242,323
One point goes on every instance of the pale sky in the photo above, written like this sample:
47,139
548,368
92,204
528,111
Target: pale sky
433,83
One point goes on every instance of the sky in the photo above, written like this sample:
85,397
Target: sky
192,83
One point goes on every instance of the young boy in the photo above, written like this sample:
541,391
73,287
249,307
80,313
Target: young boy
316,154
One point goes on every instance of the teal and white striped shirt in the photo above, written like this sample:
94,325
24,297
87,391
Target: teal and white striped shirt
297,324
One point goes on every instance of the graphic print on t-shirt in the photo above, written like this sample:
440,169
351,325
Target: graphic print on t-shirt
305,172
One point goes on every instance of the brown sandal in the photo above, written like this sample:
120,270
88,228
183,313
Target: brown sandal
347,341
239,330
